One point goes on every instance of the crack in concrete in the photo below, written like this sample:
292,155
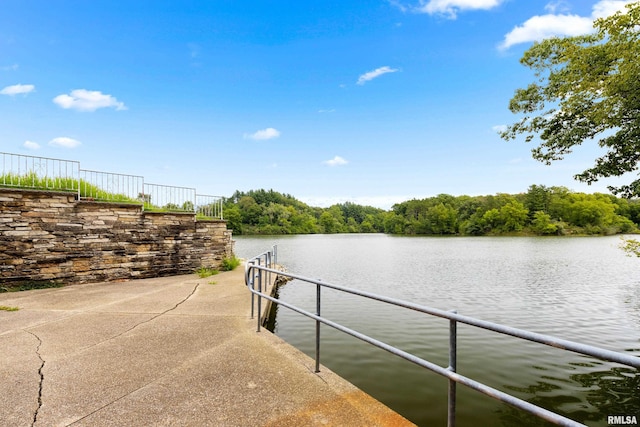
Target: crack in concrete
150,382
141,323
41,374
157,315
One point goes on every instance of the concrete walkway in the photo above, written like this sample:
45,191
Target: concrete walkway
173,351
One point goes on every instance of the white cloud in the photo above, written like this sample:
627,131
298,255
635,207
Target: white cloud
557,6
331,110
30,145
65,142
336,161
17,89
86,100
452,7
605,8
12,67
375,73
540,27
499,128
268,133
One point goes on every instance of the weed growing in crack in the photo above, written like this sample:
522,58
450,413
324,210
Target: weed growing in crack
206,272
7,308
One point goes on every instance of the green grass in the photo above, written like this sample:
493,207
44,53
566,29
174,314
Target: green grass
87,190
7,308
32,180
229,264
29,285
206,272
213,282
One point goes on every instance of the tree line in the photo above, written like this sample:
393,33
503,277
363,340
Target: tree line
540,211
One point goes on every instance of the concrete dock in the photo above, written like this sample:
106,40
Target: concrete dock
172,351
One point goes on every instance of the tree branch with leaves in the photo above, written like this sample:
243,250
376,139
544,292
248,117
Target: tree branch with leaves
587,88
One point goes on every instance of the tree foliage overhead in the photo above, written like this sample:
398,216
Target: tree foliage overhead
587,88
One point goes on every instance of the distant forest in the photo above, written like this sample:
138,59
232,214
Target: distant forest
540,211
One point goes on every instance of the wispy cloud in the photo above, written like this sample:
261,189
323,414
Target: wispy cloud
370,75
12,67
65,142
194,54
264,134
499,128
194,50
541,27
330,110
450,8
30,145
17,89
87,100
336,161
557,6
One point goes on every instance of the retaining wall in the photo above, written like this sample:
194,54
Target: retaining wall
51,236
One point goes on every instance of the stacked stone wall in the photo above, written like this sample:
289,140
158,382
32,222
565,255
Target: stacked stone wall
51,236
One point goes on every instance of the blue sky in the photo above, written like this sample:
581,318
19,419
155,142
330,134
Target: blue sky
373,102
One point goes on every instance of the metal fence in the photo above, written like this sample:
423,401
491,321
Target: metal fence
39,173
111,187
258,272
169,198
42,173
209,206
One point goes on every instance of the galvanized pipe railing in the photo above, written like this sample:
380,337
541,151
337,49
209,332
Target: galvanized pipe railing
262,266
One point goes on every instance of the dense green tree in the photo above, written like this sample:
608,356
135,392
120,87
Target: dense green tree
394,223
513,216
542,224
233,217
559,211
250,210
537,199
587,88
329,223
442,219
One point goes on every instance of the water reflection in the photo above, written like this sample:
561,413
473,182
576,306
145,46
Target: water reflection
581,289
586,397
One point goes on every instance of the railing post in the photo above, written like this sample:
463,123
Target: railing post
453,349
250,277
78,172
317,328
259,297
268,262
275,254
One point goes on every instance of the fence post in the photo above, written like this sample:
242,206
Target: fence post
453,349
78,171
268,265
259,297
317,328
250,277
275,254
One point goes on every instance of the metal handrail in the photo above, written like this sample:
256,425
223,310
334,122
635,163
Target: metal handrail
263,265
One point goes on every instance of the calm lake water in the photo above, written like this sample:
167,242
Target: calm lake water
582,289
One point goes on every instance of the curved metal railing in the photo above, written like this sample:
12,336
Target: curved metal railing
258,274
